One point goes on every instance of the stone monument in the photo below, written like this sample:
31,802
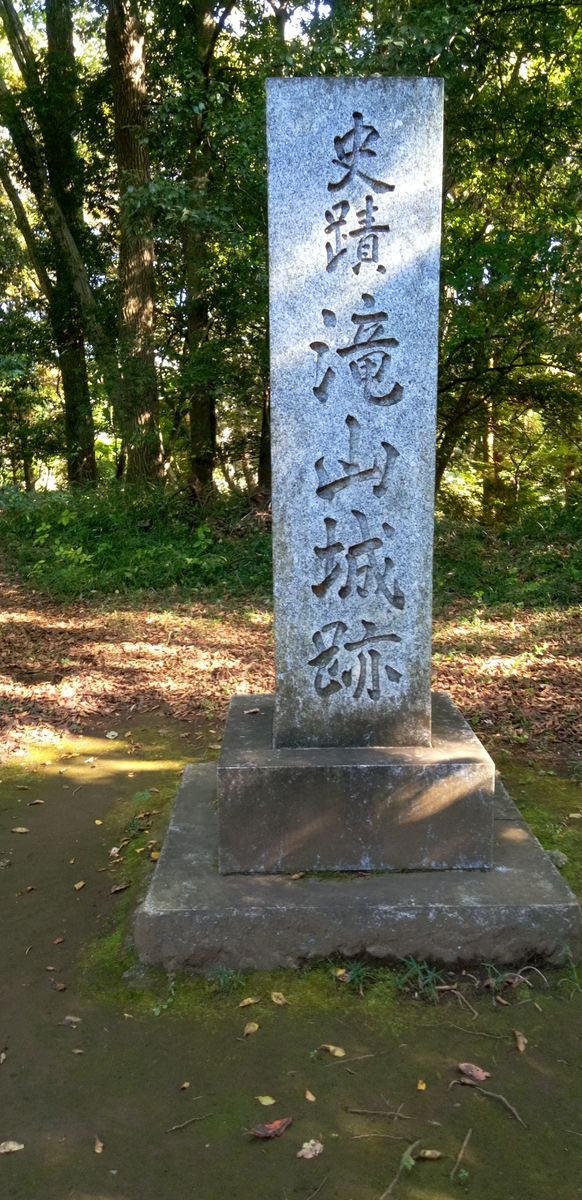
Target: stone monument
352,766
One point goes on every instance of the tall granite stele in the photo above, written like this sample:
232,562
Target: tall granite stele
352,766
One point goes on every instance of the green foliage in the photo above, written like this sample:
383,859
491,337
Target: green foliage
120,541
509,387
419,978
536,562
226,981
158,1009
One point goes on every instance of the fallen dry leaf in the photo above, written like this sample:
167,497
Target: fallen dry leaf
2,1056
20,829
336,1051
10,1147
279,998
520,1040
297,875
477,1074
98,1146
72,1021
185,1085
421,1086
112,735
309,1096
429,1154
32,803
58,941
79,885
250,1027
119,887
266,1100
273,1129
57,985
250,1000
310,1149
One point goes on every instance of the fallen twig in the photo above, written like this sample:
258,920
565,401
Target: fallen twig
575,1132
459,1157
537,971
378,1112
312,1195
357,1058
404,1165
190,1121
497,1037
464,1001
494,1096
392,1137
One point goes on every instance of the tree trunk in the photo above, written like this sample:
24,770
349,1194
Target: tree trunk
264,464
29,480
202,405
64,171
140,403
79,433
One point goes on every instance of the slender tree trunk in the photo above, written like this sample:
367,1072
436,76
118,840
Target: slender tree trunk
202,407
264,465
29,480
79,434
66,177
140,403
57,186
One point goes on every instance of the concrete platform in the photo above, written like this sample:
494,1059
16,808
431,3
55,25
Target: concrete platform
194,917
357,808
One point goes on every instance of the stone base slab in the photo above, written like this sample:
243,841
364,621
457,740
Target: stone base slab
194,917
421,808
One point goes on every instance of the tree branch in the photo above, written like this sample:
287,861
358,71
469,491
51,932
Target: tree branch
26,230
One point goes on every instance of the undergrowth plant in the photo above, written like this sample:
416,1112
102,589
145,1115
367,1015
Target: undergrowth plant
420,978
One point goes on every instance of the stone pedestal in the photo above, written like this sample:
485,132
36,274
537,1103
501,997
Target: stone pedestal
196,918
353,809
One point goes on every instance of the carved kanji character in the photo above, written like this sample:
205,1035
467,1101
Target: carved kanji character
353,150
353,470
368,355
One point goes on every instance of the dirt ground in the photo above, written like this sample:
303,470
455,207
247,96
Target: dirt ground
95,1055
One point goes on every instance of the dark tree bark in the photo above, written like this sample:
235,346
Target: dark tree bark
264,466
201,401
140,403
66,178
62,174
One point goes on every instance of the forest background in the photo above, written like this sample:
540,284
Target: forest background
134,382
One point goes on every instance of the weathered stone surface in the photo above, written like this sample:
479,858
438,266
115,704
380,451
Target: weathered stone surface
353,809
194,917
354,226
